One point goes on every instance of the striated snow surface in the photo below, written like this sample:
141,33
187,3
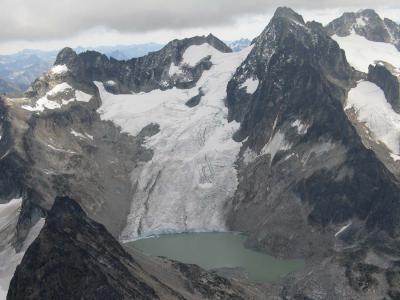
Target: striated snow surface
360,52
187,183
372,108
9,258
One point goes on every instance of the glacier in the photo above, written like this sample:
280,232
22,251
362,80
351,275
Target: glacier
371,107
360,52
192,175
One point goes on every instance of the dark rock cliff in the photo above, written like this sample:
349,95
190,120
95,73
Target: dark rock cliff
303,169
389,83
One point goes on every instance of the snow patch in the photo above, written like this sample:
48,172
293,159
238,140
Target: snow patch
46,103
111,82
395,157
82,136
60,150
192,56
250,85
82,96
191,175
301,128
372,108
8,212
360,22
59,88
195,53
276,143
174,70
360,52
59,69
342,229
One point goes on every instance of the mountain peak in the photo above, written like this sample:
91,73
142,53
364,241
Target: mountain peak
367,12
366,23
65,56
288,13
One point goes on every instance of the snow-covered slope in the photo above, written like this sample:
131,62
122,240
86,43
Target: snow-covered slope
361,52
191,175
372,109
9,258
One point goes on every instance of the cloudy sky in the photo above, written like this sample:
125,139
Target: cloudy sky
52,24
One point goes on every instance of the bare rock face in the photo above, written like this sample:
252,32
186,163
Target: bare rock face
389,83
10,165
76,258
368,24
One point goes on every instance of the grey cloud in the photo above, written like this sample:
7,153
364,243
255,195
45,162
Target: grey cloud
50,19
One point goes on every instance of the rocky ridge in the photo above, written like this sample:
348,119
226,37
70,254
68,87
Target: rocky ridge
145,73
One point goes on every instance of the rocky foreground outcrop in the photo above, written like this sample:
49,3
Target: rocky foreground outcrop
76,258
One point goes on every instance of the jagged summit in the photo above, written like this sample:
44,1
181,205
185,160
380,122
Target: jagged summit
66,56
284,22
287,33
366,23
288,13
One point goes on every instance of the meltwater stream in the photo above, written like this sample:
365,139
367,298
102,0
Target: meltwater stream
218,250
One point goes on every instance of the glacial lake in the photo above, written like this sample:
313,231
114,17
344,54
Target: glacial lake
218,250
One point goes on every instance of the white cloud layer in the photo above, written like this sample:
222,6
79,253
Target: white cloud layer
52,23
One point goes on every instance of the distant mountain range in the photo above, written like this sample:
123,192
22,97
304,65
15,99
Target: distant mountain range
17,71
